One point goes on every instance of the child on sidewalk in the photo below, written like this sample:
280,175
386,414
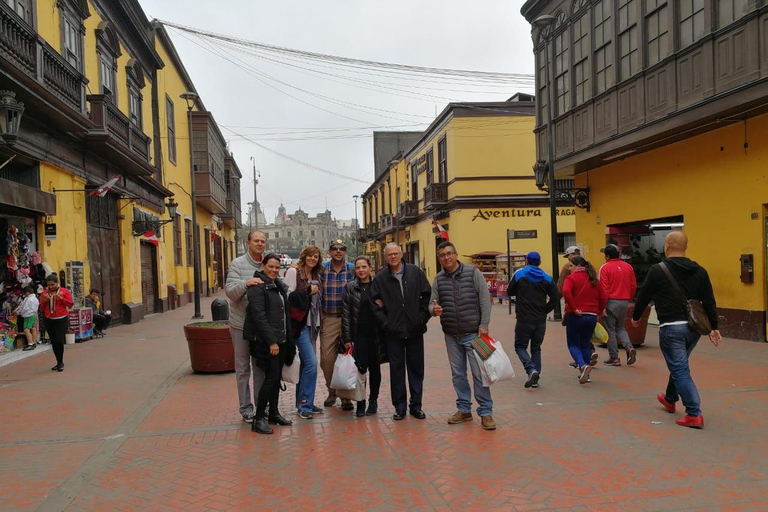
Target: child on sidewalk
27,310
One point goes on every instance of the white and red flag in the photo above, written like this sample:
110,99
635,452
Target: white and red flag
150,237
441,229
102,190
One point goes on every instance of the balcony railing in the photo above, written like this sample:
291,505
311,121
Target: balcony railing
362,234
61,78
435,195
373,229
388,223
18,41
107,117
409,211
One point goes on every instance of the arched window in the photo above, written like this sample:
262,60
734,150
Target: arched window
135,84
72,14
108,50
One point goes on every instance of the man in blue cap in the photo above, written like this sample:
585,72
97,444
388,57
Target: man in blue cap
536,295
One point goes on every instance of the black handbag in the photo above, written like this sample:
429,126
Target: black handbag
695,314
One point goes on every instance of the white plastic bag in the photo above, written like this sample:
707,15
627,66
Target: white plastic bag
497,367
292,373
344,372
356,394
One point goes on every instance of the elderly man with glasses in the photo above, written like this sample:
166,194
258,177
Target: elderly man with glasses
335,276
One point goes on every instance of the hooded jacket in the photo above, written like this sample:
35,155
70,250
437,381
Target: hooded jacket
535,292
693,281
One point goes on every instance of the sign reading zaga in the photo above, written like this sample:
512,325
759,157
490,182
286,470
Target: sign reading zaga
508,213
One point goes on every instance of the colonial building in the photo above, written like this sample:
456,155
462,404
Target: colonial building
290,233
659,108
100,87
470,171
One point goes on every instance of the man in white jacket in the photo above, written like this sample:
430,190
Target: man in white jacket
239,279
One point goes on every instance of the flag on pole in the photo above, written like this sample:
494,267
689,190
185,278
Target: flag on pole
102,190
441,229
150,237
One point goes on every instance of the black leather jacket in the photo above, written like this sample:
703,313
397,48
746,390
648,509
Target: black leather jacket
267,317
353,294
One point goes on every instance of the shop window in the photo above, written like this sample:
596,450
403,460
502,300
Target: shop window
562,80
442,163
656,22
692,20
171,119
581,59
565,240
604,75
190,242
729,11
177,240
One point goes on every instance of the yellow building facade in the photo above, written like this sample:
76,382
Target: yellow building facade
471,173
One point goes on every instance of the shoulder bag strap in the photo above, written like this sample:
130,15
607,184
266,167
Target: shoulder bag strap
673,282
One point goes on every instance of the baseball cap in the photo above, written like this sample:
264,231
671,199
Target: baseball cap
574,249
611,250
533,258
337,243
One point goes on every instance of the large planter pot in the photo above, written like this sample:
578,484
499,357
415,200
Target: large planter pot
637,334
210,347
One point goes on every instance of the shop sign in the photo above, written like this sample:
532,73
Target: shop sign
50,231
509,213
520,234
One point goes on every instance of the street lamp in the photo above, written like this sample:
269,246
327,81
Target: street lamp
11,111
357,249
545,23
190,98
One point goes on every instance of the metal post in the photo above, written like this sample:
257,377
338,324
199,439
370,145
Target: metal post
509,273
195,228
255,200
357,227
552,183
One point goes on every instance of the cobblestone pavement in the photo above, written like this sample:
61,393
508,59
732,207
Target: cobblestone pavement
129,427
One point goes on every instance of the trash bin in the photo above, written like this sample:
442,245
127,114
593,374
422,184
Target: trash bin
219,310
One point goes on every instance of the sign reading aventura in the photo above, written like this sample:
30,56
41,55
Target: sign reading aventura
520,212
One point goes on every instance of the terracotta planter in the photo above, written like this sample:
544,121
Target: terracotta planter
210,347
637,334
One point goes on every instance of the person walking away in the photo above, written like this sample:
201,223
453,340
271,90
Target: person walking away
570,253
460,298
676,337
240,279
401,291
536,295
55,303
360,332
585,300
267,329
27,311
305,298
101,318
336,275
617,278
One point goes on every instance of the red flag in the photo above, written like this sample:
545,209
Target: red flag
102,190
150,237
441,229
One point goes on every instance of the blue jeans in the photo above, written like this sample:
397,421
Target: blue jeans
676,343
459,349
533,332
579,331
305,389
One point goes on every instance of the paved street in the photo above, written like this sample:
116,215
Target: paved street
129,427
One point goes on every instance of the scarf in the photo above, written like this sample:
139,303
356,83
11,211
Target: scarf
52,300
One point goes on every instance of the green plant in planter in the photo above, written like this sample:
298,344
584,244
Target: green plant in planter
206,325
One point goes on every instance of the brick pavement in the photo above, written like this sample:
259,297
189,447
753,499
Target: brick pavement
129,427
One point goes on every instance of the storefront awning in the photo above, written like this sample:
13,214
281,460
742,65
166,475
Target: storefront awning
27,198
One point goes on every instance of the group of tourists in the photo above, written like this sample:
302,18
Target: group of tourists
383,317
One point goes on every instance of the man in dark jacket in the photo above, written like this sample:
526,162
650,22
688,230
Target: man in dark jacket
536,296
676,338
402,293
460,298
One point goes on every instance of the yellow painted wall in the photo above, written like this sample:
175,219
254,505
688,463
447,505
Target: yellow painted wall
71,230
49,23
714,183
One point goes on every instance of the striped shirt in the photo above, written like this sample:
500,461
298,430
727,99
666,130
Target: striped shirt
333,288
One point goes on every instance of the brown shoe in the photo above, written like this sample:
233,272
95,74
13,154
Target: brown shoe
488,423
330,401
459,417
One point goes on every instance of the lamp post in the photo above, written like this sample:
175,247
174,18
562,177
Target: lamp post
543,23
357,249
190,98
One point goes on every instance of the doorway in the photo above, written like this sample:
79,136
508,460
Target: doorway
149,277
104,252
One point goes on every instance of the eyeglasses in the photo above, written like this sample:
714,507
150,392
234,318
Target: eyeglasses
339,248
446,254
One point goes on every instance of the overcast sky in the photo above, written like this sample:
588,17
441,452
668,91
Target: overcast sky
484,35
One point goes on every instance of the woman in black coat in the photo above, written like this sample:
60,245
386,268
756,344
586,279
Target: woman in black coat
267,327
360,332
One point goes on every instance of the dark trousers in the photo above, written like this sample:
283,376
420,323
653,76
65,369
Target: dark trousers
578,331
57,330
270,390
406,354
101,322
532,333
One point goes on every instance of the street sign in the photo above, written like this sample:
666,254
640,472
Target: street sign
50,231
522,233
510,234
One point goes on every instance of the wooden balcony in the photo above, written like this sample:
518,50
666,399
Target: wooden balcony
435,195
117,138
233,217
362,235
409,212
372,230
211,194
388,223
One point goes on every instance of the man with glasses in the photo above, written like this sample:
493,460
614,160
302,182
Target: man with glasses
402,292
460,298
335,277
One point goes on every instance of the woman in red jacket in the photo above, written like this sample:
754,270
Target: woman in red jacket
55,303
584,301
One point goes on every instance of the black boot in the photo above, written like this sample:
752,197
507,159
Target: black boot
275,418
260,426
373,407
360,409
